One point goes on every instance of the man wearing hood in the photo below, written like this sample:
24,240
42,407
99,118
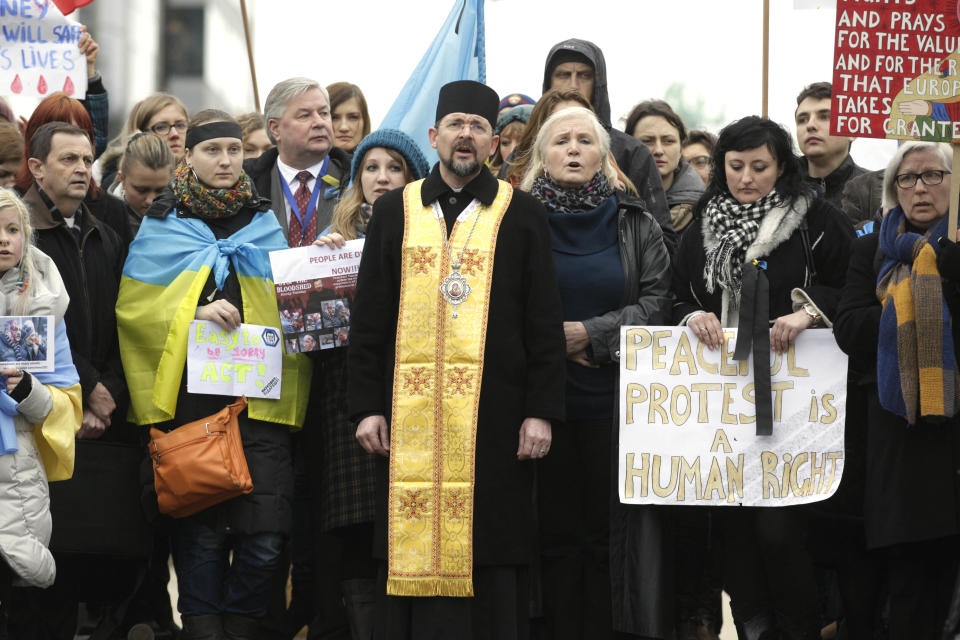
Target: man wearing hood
579,64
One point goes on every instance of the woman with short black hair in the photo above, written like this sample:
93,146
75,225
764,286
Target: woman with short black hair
757,214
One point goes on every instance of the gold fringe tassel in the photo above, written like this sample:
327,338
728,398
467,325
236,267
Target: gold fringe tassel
428,586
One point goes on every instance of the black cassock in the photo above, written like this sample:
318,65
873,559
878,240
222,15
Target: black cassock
523,370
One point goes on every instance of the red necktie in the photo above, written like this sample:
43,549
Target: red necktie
298,236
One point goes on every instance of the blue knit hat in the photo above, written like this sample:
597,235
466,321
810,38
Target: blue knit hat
399,142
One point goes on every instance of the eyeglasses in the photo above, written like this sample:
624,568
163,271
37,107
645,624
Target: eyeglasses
163,128
930,178
477,128
700,161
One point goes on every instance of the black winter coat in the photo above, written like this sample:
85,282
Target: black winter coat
831,187
647,297
912,473
269,508
90,269
781,245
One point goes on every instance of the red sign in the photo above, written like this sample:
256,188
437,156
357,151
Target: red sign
897,70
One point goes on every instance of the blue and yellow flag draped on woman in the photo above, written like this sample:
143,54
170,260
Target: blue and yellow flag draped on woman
168,264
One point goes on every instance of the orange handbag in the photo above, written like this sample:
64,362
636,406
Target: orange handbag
200,463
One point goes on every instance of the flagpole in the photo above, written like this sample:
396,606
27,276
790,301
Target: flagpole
766,58
253,69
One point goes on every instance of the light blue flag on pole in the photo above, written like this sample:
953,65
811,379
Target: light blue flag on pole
457,53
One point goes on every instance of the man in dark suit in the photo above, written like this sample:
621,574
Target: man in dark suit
302,175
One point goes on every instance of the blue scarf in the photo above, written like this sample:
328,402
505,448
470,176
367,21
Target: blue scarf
916,363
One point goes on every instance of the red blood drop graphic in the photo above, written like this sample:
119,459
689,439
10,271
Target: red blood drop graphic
68,87
42,86
16,86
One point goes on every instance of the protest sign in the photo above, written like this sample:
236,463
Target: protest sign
245,362
38,50
687,432
896,70
26,342
315,287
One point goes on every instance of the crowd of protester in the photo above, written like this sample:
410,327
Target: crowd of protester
655,224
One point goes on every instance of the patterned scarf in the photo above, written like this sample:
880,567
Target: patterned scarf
735,227
916,364
557,199
207,202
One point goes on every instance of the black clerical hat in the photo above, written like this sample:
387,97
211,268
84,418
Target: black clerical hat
467,96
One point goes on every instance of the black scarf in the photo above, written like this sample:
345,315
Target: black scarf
557,199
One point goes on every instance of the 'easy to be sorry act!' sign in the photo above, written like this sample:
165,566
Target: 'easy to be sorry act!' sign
687,421
896,71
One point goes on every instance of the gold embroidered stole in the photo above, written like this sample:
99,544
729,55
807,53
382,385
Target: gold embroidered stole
436,396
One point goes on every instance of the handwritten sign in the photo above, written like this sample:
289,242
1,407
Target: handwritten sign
234,363
896,70
315,287
26,342
687,414
38,50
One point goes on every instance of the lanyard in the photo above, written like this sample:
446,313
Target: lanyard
304,218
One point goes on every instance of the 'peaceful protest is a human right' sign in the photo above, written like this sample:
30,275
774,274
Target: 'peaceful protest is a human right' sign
687,421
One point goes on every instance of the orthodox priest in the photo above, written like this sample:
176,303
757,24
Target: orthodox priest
456,372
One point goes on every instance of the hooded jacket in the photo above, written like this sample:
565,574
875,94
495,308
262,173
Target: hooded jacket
25,522
633,158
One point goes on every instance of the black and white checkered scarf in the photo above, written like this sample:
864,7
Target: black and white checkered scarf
735,227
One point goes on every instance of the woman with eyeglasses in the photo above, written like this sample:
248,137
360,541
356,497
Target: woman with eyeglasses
161,114
895,320
696,150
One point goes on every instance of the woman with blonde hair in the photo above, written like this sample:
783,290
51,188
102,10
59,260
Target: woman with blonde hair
146,168
162,114
613,270
384,160
255,138
39,412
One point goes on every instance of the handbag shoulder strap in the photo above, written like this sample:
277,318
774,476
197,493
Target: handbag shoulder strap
808,252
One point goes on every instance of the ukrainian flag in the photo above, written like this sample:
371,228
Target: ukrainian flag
168,263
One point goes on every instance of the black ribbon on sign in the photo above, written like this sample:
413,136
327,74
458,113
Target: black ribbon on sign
753,330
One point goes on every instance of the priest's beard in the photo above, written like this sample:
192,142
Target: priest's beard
462,168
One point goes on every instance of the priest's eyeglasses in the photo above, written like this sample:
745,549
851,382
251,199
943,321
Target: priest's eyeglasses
930,178
477,127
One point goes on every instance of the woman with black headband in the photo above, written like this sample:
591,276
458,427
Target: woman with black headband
202,252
